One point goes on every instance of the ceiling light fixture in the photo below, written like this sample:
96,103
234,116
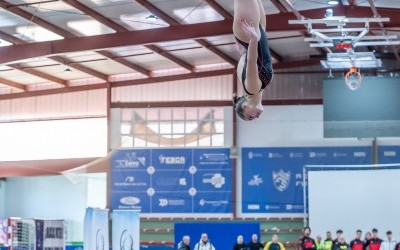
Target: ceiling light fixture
67,69
151,18
333,2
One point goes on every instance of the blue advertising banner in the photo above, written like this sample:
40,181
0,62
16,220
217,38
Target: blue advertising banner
222,235
39,234
388,154
172,180
125,230
272,178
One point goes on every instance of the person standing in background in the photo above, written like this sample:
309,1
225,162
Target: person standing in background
306,242
204,243
328,242
239,245
185,243
341,244
389,243
357,243
255,244
339,233
375,242
318,242
274,244
397,247
368,236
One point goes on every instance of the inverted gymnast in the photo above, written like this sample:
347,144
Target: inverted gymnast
254,68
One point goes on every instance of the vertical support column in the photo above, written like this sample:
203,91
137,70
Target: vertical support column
234,146
108,99
374,151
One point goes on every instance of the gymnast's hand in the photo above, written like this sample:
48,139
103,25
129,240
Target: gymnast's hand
249,30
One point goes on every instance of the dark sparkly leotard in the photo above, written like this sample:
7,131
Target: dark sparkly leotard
264,63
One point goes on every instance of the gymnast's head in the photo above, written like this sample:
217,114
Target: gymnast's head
245,110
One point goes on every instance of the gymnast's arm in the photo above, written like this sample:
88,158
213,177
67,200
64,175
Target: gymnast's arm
253,84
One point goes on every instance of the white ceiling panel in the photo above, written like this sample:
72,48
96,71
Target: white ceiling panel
153,62
131,50
63,72
108,67
21,77
181,44
198,57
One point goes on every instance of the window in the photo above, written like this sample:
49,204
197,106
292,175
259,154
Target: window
172,127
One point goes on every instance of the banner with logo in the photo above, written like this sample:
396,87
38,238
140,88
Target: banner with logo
54,235
272,178
388,154
222,235
96,235
172,180
126,230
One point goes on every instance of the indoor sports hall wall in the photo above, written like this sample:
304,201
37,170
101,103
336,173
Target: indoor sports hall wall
51,197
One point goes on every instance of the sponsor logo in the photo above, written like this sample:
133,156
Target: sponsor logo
162,202
130,200
252,155
131,160
216,203
182,182
339,154
130,179
360,154
317,154
299,180
295,155
172,159
389,153
275,155
291,207
217,157
281,180
171,202
270,207
253,207
217,180
256,181
130,182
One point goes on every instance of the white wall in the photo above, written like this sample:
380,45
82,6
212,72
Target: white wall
49,197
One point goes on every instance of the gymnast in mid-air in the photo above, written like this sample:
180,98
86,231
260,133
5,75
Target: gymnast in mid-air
254,68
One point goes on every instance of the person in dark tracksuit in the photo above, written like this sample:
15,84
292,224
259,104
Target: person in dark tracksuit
185,243
239,244
339,233
306,242
255,244
397,247
341,244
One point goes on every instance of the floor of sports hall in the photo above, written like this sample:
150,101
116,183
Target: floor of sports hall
127,105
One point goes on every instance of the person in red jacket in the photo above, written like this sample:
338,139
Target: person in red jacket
306,242
375,242
397,247
357,243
